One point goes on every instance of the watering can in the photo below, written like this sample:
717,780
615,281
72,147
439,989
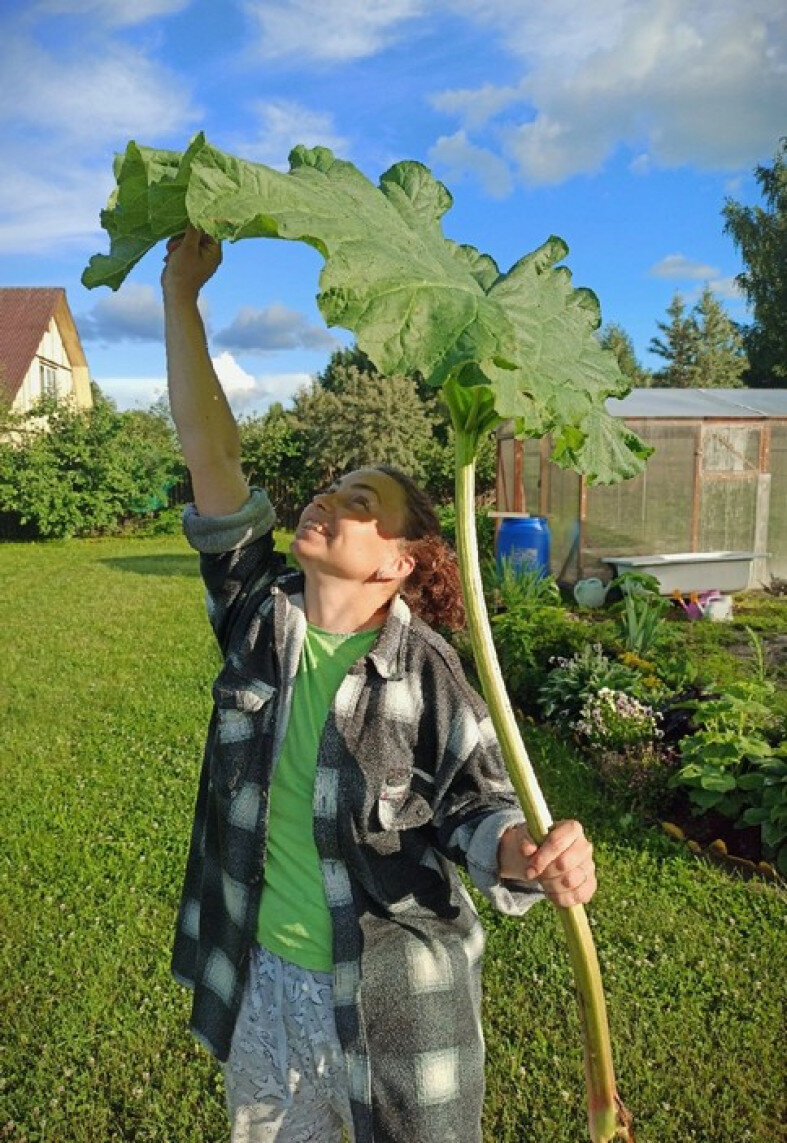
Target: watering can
705,605
590,592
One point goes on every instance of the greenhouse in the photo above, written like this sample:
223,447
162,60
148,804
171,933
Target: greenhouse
715,484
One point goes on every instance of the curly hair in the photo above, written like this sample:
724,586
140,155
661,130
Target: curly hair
433,589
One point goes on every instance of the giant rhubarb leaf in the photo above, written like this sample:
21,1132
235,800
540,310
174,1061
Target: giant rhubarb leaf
414,299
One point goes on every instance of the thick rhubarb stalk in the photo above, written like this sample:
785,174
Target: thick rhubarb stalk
607,1117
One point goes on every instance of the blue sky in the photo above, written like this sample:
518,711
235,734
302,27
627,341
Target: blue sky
620,125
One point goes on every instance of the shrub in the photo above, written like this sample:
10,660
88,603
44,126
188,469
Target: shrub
766,787
528,641
641,612
484,525
509,587
75,472
576,679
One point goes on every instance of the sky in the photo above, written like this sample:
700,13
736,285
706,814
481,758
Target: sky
620,125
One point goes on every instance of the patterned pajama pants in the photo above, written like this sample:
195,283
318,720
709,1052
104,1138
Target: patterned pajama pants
285,1078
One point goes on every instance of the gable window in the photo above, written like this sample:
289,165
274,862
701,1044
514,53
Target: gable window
47,374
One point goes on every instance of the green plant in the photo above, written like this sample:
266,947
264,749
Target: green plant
508,586
484,527
77,472
527,641
730,739
638,776
766,787
677,672
614,720
575,680
515,346
641,611
755,642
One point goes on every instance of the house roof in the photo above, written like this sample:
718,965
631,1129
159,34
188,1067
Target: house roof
25,314
694,404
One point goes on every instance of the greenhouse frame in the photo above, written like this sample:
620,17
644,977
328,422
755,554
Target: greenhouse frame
716,483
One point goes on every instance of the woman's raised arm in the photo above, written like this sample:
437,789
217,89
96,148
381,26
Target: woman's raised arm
205,425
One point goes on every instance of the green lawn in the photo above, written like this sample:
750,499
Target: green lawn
107,661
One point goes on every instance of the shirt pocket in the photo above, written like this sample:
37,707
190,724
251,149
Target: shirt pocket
399,808
243,706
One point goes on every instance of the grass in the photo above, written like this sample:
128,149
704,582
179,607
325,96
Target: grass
107,661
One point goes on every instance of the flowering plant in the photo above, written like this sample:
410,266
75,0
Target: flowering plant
614,720
575,681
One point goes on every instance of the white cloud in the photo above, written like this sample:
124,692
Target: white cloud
59,112
275,327
38,211
134,313
233,377
680,268
458,156
727,288
329,32
108,93
683,82
247,393
284,123
641,164
132,392
116,13
476,107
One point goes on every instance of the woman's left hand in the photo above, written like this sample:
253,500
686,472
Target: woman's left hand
563,864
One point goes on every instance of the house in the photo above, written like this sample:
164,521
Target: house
716,482
40,350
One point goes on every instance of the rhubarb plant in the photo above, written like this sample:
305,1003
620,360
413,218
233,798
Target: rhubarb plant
513,346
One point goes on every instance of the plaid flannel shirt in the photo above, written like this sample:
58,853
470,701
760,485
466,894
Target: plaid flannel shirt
409,782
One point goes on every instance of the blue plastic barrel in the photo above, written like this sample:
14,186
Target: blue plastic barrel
524,541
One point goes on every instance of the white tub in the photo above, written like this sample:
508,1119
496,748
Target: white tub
691,571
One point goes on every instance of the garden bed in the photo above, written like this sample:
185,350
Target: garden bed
680,721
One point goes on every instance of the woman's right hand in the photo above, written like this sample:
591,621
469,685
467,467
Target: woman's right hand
191,259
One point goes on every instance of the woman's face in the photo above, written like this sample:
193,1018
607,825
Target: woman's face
352,530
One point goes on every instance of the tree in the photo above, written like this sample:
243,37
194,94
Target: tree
335,372
435,460
273,457
760,233
703,348
678,348
720,360
615,338
365,420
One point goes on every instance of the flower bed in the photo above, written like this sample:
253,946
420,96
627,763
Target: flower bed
668,739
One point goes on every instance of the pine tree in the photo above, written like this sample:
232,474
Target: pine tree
615,338
720,358
678,348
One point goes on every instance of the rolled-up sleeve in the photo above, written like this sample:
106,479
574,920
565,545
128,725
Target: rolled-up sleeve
216,534
508,897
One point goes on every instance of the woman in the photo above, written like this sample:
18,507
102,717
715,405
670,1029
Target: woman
333,951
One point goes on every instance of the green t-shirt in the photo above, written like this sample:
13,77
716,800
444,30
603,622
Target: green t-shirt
294,921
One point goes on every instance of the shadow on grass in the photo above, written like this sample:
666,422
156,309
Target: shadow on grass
187,565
